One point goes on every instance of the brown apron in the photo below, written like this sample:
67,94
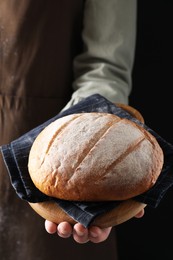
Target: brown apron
38,40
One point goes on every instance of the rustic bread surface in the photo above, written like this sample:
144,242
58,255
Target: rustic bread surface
94,157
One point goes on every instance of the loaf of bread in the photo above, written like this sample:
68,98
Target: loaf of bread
94,157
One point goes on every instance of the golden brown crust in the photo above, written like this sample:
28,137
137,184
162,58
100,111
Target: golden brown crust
94,157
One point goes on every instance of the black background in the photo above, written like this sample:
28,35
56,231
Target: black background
150,237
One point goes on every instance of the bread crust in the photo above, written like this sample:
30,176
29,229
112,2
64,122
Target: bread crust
94,157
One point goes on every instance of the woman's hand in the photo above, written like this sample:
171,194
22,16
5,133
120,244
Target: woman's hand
79,232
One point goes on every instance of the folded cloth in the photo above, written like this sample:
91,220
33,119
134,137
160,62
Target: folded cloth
16,154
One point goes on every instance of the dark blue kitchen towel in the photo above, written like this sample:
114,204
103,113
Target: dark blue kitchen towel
16,154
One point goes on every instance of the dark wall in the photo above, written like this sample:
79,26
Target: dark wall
153,68
150,237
